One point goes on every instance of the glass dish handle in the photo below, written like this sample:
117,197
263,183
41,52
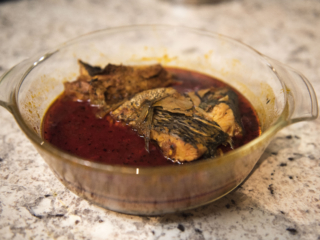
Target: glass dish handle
302,99
9,82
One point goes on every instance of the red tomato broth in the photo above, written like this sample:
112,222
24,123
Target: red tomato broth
73,127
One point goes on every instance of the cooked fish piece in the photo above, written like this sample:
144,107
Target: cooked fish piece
137,108
175,148
176,103
108,87
169,118
225,117
78,90
221,106
185,138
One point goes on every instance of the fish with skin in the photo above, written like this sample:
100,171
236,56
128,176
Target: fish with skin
183,125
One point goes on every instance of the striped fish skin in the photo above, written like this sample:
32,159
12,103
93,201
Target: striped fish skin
182,132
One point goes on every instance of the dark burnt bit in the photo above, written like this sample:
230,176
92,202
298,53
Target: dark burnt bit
283,164
101,221
198,230
297,137
47,195
282,212
274,153
270,188
180,227
293,231
268,100
289,137
290,177
228,206
290,158
233,202
1,159
153,232
76,222
92,70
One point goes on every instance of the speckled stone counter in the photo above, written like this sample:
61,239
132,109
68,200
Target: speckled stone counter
279,200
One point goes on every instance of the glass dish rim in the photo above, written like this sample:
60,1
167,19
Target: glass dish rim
203,164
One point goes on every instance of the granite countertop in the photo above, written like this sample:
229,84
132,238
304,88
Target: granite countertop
280,199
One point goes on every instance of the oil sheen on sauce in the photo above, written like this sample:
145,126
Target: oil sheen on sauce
72,127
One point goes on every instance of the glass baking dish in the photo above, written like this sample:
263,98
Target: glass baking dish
279,94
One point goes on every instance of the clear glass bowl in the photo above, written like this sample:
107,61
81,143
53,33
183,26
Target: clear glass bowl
279,94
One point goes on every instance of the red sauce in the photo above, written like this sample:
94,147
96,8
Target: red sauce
73,127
